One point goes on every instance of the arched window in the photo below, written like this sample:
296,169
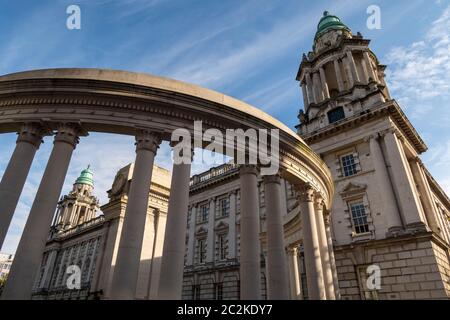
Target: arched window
336,114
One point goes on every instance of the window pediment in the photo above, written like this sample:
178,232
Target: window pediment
352,189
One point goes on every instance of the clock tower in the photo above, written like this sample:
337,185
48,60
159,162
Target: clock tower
387,207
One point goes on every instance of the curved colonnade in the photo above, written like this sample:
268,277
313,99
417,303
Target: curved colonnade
70,103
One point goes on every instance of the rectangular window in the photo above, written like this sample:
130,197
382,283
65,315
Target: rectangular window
222,246
348,165
359,217
201,250
203,213
223,207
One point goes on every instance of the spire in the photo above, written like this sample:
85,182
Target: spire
86,177
329,22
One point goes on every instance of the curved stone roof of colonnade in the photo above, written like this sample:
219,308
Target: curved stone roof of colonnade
121,101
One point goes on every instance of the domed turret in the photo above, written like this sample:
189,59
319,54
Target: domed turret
86,177
329,22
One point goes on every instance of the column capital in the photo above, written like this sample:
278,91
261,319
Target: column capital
292,250
276,178
69,133
248,169
318,201
390,130
371,137
306,192
32,132
147,140
326,217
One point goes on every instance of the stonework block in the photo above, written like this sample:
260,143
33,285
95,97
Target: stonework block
404,255
399,263
419,253
412,286
422,294
427,285
398,287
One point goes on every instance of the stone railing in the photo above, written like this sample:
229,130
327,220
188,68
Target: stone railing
78,228
213,173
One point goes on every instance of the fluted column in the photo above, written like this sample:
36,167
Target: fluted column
323,80
250,264
337,69
210,240
305,95
324,252
348,73
28,141
313,263
171,280
408,199
318,93
294,273
191,239
327,221
32,243
425,194
310,88
126,269
277,277
352,65
232,226
369,67
388,202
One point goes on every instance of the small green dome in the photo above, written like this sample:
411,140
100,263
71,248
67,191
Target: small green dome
329,22
86,177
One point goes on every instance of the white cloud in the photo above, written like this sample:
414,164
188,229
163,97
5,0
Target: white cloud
421,71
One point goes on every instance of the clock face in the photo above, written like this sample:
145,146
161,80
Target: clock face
118,184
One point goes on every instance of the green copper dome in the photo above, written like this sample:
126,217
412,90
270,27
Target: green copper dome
329,22
86,177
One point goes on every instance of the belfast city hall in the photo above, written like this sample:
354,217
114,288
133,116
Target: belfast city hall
351,213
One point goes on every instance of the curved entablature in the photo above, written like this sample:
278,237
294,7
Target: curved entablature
123,102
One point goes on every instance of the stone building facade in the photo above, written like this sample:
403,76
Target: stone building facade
81,236
387,209
388,212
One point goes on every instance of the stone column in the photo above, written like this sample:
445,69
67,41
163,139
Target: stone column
327,221
305,95
323,248
210,241
369,67
277,277
408,200
155,274
352,65
313,263
128,256
337,69
348,73
28,141
294,274
323,80
171,279
191,239
318,93
388,202
32,243
310,88
250,262
425,194
232,226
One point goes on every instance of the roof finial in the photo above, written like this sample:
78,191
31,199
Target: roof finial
326,13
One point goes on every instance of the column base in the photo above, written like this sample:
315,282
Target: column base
417,227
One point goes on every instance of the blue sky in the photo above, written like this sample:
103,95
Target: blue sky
247,49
